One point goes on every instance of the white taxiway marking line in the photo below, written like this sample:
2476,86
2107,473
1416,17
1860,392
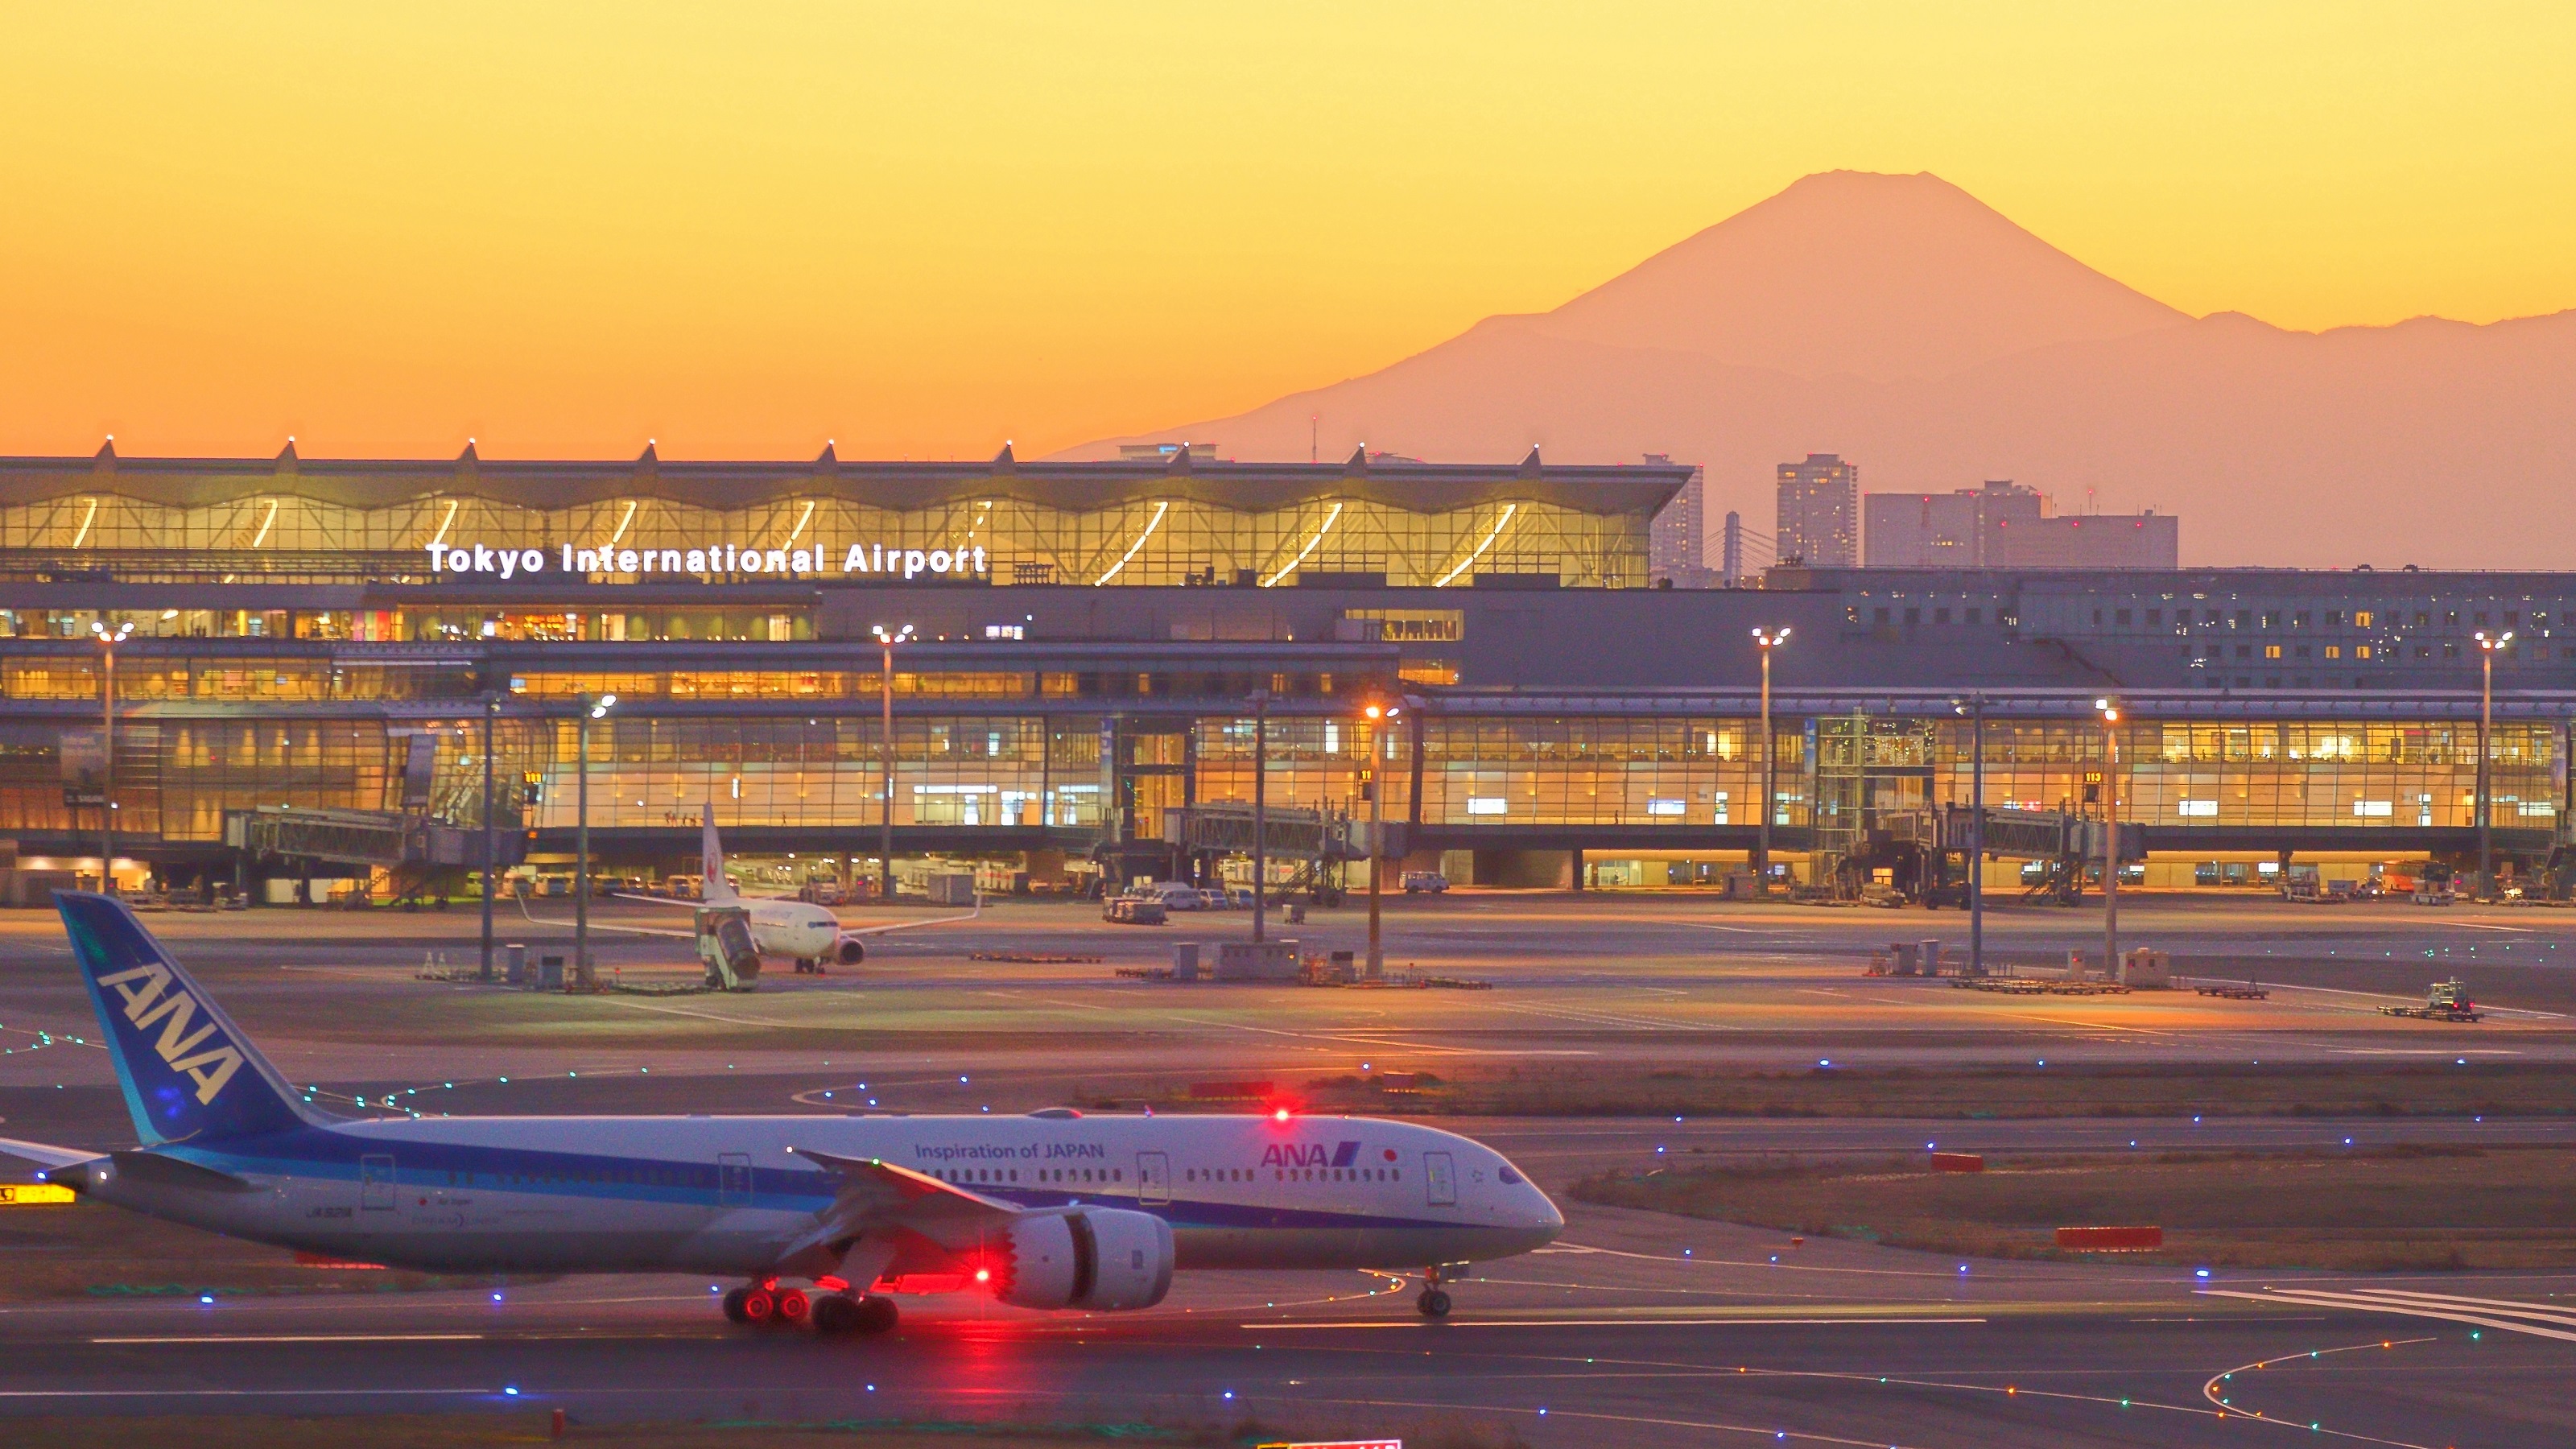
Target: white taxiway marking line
230,1393
1618,1323
701,1015
2546,1313
2319,1298
2384,996
2426,1052
1593,1016
298,1338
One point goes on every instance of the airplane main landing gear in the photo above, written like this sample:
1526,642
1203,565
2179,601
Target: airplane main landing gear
765,1304
839,1313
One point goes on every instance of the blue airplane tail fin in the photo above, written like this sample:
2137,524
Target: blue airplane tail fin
189,1074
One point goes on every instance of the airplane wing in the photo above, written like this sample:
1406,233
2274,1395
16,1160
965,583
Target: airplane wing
908,925
536,920
884,1190
877,1197
46,1156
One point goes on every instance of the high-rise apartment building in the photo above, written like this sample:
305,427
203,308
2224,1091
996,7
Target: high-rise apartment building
1819,520
1677,543
2005,525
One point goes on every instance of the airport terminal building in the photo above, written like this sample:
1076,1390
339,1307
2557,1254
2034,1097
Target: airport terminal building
1076,696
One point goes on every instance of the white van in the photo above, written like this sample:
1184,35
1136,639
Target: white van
1178,895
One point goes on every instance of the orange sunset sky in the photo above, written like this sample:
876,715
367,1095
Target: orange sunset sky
921,230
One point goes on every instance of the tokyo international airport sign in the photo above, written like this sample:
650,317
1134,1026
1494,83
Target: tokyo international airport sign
715,560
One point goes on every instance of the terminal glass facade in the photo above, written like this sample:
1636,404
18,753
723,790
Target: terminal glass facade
2255,773
1142,533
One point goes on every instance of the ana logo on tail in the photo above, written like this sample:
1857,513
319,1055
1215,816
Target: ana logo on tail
153,999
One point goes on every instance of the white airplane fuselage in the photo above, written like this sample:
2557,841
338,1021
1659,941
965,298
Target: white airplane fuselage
726,1195
790,929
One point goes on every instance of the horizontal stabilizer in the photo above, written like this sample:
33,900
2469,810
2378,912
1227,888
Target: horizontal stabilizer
48,1156
179,1172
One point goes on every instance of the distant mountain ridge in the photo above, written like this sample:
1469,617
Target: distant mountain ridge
1900,322
1849,273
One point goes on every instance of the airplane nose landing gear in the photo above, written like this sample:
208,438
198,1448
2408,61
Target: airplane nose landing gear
1434,1304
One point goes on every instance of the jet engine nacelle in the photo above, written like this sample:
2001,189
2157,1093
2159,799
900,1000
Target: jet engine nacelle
1101,1258
848,951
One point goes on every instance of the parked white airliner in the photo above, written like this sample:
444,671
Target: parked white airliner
1051,1210
806,934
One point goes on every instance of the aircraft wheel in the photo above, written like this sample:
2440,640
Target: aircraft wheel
734,1308
876,1315
793,1305
835,1314
758,1305
1433,1303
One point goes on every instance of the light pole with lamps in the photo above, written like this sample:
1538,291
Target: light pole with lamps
885,754
590,709
107,639
1376,715
1974,707
2487,651
1260,808
491,709
2109,709
1767,640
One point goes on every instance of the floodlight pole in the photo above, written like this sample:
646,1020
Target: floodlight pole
1376,715
1767,640
2487,649
885,755
1976,710
581,836
107,762
2110,839
491,708
1260,809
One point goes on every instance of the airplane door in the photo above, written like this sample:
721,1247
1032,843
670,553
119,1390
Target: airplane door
1153,1178
733,1179
1440,1179
376,1183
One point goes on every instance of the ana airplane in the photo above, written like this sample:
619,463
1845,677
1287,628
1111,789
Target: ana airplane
1051,1210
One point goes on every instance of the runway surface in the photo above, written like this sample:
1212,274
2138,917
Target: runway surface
1618,1336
